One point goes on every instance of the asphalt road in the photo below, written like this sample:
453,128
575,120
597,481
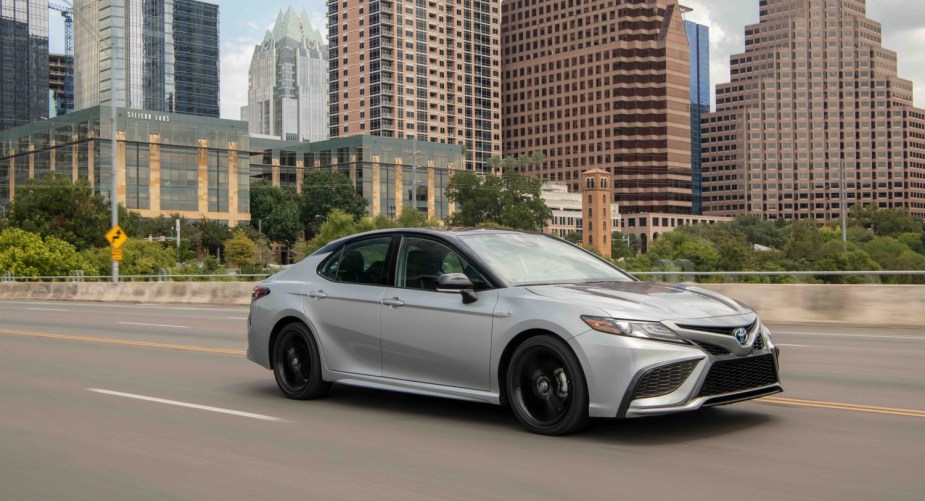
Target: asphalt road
101,401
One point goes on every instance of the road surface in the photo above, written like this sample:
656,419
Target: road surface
107,401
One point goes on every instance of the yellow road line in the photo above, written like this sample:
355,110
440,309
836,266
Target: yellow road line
893,411
204,349
124,342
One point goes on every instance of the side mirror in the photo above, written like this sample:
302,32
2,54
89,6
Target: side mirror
457,283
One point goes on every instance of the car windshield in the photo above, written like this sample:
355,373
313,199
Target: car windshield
526,259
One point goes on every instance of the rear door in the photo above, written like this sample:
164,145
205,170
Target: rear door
343,304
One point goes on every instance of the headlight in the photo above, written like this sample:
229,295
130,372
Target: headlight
643,330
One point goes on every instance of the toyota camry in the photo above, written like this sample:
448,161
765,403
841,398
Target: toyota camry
509,318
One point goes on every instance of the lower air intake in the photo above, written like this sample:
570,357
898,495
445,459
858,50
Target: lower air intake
664,380
729,376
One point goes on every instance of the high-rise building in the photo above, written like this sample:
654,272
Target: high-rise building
287,95
414,69
813,96
166,58
601,84
63,98
23,62
698,39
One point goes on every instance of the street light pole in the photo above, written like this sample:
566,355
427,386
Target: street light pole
114,200
844,208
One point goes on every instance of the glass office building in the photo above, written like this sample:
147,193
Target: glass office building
23,62
698,38
166,57
167,163
383,169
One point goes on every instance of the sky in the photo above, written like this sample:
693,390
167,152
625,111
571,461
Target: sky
243,24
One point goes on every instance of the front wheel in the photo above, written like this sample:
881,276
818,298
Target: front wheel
297,364
546,387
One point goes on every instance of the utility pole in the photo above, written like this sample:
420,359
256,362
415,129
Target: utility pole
844,208
113,48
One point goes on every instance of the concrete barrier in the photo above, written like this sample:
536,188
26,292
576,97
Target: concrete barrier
215,293
863,305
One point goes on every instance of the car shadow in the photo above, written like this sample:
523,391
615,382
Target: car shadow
654,430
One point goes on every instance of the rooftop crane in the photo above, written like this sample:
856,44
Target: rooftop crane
67,12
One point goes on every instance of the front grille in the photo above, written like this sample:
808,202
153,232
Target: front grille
712,349
759,343
726,331
663,380
729,376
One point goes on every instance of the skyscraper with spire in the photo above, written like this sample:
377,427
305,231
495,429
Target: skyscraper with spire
287,95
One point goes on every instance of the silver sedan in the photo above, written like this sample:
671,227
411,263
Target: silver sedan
508,318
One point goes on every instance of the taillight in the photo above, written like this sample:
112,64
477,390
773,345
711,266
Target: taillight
259,292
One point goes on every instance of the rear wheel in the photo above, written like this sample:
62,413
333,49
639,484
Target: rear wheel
297,364
546,387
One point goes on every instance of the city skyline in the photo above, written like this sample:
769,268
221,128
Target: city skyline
245,23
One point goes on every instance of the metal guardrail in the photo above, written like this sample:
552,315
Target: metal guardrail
80,277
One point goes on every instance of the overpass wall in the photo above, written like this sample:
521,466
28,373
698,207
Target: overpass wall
868,305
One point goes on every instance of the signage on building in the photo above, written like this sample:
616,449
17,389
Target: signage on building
145,115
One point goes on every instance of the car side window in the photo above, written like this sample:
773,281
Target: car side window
422,261
360,262
329,267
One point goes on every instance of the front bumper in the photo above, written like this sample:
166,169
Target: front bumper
690,377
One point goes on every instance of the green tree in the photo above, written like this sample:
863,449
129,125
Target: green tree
807,244
26,254
511,200
573,237
620,248
678,245
412,218
55,206
325,191
340,224
213,235
275,211
885,222
240,250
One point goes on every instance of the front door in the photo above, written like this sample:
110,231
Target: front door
430,336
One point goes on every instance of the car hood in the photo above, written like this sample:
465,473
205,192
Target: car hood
650,301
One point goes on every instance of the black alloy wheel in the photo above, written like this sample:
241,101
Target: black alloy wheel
297,364
546,387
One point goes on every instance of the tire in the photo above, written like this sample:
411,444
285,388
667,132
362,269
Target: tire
546,387
297,364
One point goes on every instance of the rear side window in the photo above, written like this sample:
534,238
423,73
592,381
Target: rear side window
360,262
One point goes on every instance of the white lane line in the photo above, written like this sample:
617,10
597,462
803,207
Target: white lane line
794,345
189,405
46,309
156,325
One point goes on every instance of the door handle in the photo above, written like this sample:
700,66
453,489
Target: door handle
393,302
317,295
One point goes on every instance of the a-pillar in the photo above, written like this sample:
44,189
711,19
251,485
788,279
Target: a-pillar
154,169
232,183
203,190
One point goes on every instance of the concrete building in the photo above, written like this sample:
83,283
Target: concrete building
383,169
815,91
425,70
287,94
567,214
23,62
62,97
601,84
650,226
166,58
167,163
698,39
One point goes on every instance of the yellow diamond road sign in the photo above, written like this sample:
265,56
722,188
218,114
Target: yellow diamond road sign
116,237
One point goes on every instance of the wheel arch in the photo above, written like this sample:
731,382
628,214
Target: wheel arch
511,347
278,327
